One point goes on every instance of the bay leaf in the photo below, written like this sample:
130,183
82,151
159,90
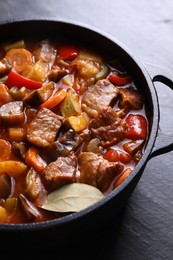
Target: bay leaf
72,198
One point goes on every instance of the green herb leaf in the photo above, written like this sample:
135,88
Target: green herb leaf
72,198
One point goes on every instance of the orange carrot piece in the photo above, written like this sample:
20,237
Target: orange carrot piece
4,95
122,177
55,100
33,159
5,148
19,59
13,168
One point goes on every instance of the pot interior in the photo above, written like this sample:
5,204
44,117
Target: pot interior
103,42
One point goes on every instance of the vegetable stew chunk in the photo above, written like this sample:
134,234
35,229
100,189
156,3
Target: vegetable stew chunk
64,145
60,172
99,97
44,127
12,113
109,128
97,171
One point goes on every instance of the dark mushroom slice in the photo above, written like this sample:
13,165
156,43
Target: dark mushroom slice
30,210
68,142
131,98
5,185
34,187
12,113
19,149
37,97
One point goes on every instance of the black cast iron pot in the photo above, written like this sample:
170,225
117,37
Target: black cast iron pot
99,214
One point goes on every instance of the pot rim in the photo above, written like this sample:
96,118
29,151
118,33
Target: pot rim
150,144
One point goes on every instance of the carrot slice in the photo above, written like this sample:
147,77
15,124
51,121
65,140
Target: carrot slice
13,168
122,177
33,159
55,100
4,95
5,148
19,59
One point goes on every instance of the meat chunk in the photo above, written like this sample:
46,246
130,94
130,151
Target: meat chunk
44,127
45,51
99,97
97,171
12,113
60,172
109,128
131,98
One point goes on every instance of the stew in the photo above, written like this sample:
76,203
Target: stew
68,115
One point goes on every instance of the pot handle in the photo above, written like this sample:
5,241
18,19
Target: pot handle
164,142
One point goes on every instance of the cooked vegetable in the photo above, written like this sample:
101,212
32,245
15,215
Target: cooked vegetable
5,97
55,100
5,186
78,123
137,127
33,159
69,52
31,211
16,80
34,186
12,113
116,156
5,148
70,105
133,147
16,134
38,71
13,168
122,177
3,215
19,59
4,66
11,205
120,80
14,45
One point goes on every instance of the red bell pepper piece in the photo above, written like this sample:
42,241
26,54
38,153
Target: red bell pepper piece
116,156
136,127
68,53
120,80
16,80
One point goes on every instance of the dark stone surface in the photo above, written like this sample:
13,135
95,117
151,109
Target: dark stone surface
145,228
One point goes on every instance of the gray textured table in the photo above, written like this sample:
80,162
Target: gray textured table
145,230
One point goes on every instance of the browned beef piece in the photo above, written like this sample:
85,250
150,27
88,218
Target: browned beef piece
97,171
44,127
12,113
60,172
131,98
109,128
99,97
